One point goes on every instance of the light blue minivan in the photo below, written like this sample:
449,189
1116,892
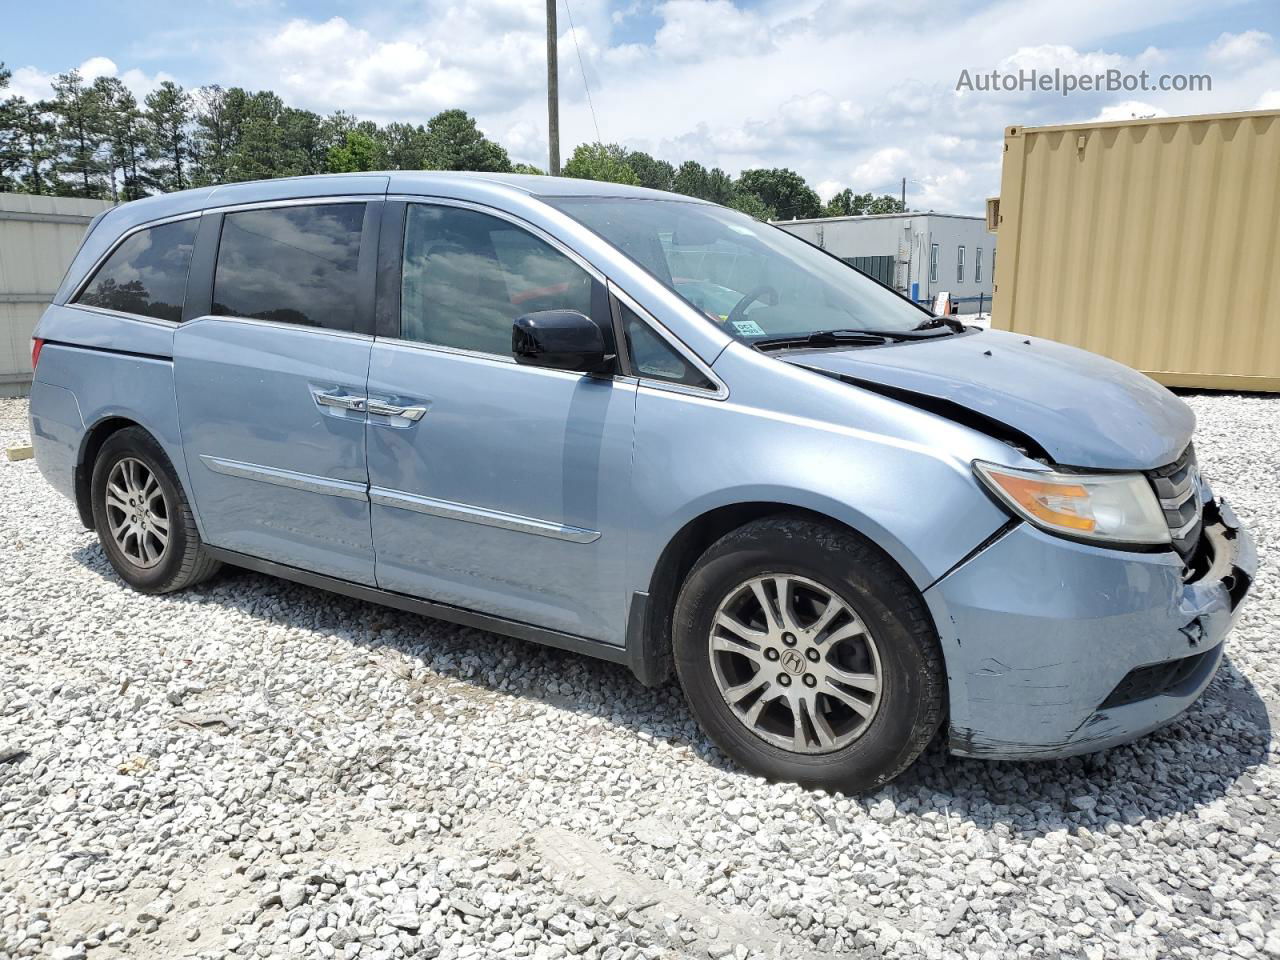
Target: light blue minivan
652,430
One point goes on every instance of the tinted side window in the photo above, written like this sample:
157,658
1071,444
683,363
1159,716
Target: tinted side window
147,274
653,357
468,275
291,265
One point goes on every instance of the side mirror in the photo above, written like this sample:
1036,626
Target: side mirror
561,340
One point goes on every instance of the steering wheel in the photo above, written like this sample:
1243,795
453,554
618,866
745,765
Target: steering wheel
765,293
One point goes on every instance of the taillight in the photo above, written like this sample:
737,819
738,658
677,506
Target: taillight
36,346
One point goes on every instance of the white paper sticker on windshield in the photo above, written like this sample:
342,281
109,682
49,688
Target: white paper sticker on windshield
748,328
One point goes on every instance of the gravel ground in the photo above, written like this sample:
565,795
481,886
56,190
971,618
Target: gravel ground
261,769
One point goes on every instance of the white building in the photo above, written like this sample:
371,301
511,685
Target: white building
918,254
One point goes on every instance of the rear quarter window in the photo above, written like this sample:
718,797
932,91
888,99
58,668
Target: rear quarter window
146,275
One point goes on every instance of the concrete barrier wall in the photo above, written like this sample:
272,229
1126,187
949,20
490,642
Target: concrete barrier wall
38,238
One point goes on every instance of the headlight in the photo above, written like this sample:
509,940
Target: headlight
1110,507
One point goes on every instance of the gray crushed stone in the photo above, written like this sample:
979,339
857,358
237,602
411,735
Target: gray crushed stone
257,769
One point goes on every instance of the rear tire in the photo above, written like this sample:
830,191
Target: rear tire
143,518
846,657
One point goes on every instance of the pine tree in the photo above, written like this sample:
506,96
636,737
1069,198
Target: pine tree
211,137
456,143
80,167
304,147
257,137
406,146
34,143
167,121
10,151
125,136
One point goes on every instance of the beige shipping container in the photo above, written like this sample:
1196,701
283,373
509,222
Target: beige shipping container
1154,242
38,238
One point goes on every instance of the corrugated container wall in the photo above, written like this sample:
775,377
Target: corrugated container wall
38,238
1154,242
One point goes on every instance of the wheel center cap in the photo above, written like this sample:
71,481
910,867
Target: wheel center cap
792,662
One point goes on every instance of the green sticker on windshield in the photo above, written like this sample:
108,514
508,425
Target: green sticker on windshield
748,328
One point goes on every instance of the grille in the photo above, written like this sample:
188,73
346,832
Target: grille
1178,487
1142,683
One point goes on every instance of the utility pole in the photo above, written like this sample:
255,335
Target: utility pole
553,94
904,194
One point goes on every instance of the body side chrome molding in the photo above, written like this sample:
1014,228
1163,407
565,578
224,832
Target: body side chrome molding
384,496
310,483
510,361
278,325
320,201
450,510
121,315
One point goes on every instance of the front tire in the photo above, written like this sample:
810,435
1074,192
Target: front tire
143,518
807,655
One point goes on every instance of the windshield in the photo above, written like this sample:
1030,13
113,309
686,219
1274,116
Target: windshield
754,280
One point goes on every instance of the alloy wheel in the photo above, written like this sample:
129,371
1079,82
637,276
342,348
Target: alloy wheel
137,513
795,663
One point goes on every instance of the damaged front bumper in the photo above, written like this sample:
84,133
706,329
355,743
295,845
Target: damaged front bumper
1055,648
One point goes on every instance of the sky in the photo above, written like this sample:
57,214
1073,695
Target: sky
846,92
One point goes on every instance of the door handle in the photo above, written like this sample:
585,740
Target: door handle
413,414
341,401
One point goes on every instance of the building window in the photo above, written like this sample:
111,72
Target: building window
960,265
933,263
977,266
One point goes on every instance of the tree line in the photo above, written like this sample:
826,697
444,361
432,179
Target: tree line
95,139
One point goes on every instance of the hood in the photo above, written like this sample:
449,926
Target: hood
1081,409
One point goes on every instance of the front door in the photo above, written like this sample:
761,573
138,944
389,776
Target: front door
496,487
271,387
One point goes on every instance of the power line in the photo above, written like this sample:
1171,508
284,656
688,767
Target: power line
582,67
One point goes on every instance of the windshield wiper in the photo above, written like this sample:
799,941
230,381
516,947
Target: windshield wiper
932,323
858,337
916,333
825,338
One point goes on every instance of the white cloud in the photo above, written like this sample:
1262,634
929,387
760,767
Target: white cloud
1129,110
1239,48
835,90
96,67
30,83
828,189
34,84
1269,101
882,166
698,29
1047,57
846,92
